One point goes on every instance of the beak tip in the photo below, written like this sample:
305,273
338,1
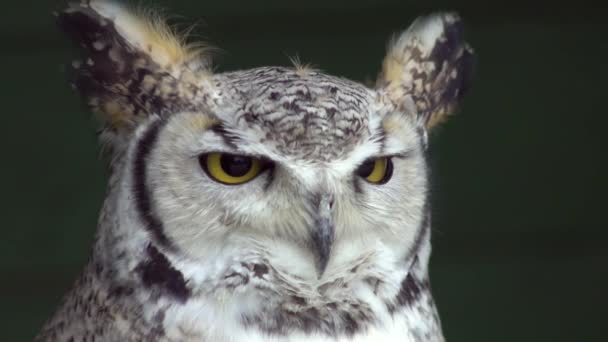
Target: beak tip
321,266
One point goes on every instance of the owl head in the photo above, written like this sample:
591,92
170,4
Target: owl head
308,171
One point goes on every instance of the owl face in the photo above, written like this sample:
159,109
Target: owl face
277,161
298,160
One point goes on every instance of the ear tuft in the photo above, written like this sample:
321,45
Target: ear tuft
147,30
428,68
134,64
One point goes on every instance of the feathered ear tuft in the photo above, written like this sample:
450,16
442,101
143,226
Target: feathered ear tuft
146,30
134,64
428,68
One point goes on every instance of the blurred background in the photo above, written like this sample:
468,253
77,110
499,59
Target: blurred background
519,175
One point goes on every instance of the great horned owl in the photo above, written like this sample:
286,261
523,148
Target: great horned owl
271,204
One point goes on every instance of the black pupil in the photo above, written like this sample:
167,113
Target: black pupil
235,166
366,168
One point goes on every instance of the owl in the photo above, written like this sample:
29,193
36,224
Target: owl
270,204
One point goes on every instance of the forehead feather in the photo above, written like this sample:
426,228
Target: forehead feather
299,113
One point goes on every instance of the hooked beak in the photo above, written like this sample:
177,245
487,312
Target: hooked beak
323,232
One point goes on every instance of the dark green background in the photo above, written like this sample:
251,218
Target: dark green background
519,176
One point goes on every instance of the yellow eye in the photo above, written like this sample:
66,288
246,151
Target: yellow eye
230,169
377,171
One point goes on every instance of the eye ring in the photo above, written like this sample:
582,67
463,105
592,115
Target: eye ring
376,170
231,169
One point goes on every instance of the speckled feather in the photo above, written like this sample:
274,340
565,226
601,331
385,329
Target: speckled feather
294,117
179,257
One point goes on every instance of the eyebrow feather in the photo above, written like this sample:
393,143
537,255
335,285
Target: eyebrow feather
230,138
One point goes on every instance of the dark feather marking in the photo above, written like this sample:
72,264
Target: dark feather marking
270,177
312,320
447,50
158,330
357,185
350,324
409,293
260,270
421,234
229,138
143,202
299,300
120,291
380,137
157,272
452,53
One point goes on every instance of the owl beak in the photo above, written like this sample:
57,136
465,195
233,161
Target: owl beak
322,234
